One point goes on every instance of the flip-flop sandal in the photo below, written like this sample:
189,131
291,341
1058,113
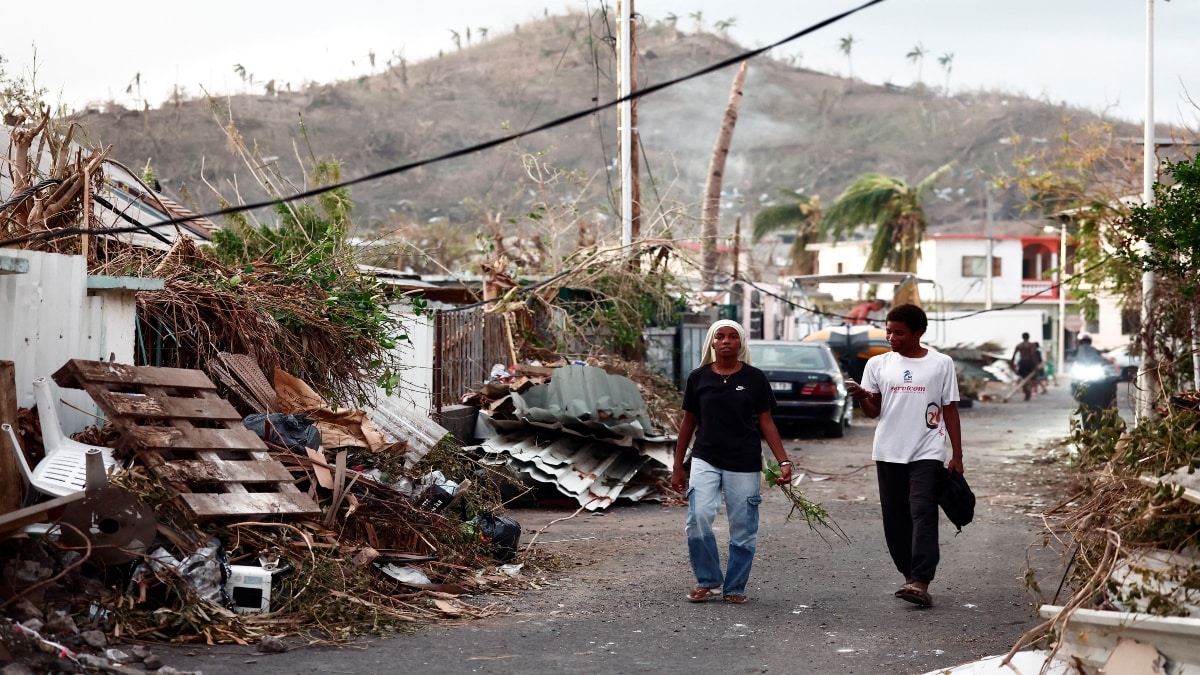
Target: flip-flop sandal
900,591
700,594
735,599
916,596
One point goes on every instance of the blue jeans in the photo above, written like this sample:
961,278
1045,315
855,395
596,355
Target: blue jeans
742,498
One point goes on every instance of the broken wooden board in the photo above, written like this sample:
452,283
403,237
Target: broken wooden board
190,438
45,512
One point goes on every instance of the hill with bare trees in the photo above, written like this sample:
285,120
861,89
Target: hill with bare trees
798,129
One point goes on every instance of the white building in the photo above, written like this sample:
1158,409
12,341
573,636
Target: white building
1019,295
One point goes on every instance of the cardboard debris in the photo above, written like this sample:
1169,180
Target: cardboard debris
1135,658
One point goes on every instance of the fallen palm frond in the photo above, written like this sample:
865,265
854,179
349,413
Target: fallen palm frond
814,514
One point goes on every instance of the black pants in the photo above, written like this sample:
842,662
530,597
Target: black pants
908,499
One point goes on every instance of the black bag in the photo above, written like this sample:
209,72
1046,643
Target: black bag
502,532
955,498
294,432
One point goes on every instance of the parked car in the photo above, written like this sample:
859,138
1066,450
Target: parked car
808,384
1128,363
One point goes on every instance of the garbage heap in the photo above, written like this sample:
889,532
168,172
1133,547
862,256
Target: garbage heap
185,519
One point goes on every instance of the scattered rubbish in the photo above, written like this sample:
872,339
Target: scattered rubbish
204,570
294,432
249,589
405,574
512,570
502,532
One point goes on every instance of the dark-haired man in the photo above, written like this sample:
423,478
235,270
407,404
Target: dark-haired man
913,390
1027,358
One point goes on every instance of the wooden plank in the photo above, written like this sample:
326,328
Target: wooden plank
116,404
49,511
10,474
173,438
77,371
202,506
224,471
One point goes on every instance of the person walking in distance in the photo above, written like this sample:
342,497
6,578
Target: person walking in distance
913,390
1026,359
727,408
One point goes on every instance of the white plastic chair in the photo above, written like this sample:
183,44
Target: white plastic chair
64,469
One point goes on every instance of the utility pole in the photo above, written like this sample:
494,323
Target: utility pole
991,242
625,114
635,141
1145,396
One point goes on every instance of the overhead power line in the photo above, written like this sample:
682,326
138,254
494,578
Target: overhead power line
486,145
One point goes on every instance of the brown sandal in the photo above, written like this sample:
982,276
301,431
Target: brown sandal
735,599
700,594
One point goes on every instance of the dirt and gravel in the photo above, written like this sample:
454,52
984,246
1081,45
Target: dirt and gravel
814,607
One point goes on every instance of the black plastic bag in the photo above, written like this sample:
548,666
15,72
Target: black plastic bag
955,498
294,432
502,532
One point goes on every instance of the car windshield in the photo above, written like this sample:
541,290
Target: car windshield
790,357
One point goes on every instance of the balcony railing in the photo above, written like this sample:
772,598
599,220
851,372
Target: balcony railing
1041,289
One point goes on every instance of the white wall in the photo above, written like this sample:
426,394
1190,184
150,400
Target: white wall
416,353
1109,318
47,317
941,260
1003,327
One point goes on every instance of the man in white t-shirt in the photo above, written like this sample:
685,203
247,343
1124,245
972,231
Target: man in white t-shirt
913,391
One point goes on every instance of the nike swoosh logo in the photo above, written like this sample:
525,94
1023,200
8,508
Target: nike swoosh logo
740,388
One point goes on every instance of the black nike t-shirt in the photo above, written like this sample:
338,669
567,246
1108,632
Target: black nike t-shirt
726,410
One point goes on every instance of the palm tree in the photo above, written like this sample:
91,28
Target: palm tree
917,56
894,207
846,44
947,61
803,214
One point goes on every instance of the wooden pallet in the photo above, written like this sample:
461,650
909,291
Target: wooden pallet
190,438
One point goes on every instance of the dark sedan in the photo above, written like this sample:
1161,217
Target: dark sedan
807,383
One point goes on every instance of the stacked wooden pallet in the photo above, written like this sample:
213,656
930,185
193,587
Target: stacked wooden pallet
190,438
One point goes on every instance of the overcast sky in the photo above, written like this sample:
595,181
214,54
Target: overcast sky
1089,53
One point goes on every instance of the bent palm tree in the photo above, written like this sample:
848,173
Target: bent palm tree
805,216
894,207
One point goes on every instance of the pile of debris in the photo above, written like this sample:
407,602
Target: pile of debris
1131,591
200,523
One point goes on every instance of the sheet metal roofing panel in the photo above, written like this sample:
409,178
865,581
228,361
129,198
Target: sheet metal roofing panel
399,420
584,401
593,473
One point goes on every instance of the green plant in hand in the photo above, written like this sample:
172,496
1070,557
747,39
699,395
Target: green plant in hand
813,513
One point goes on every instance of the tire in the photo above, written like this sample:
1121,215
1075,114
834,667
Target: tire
837,429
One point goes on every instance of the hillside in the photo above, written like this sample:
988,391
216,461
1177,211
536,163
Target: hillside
797,129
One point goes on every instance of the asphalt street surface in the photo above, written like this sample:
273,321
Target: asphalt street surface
814,607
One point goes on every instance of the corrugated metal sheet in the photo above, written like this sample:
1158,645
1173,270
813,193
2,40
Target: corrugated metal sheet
582,401
592,472
587,432
398,420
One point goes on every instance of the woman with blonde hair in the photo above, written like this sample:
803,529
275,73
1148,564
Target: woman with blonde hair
727,408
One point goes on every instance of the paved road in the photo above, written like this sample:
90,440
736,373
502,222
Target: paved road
814,608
